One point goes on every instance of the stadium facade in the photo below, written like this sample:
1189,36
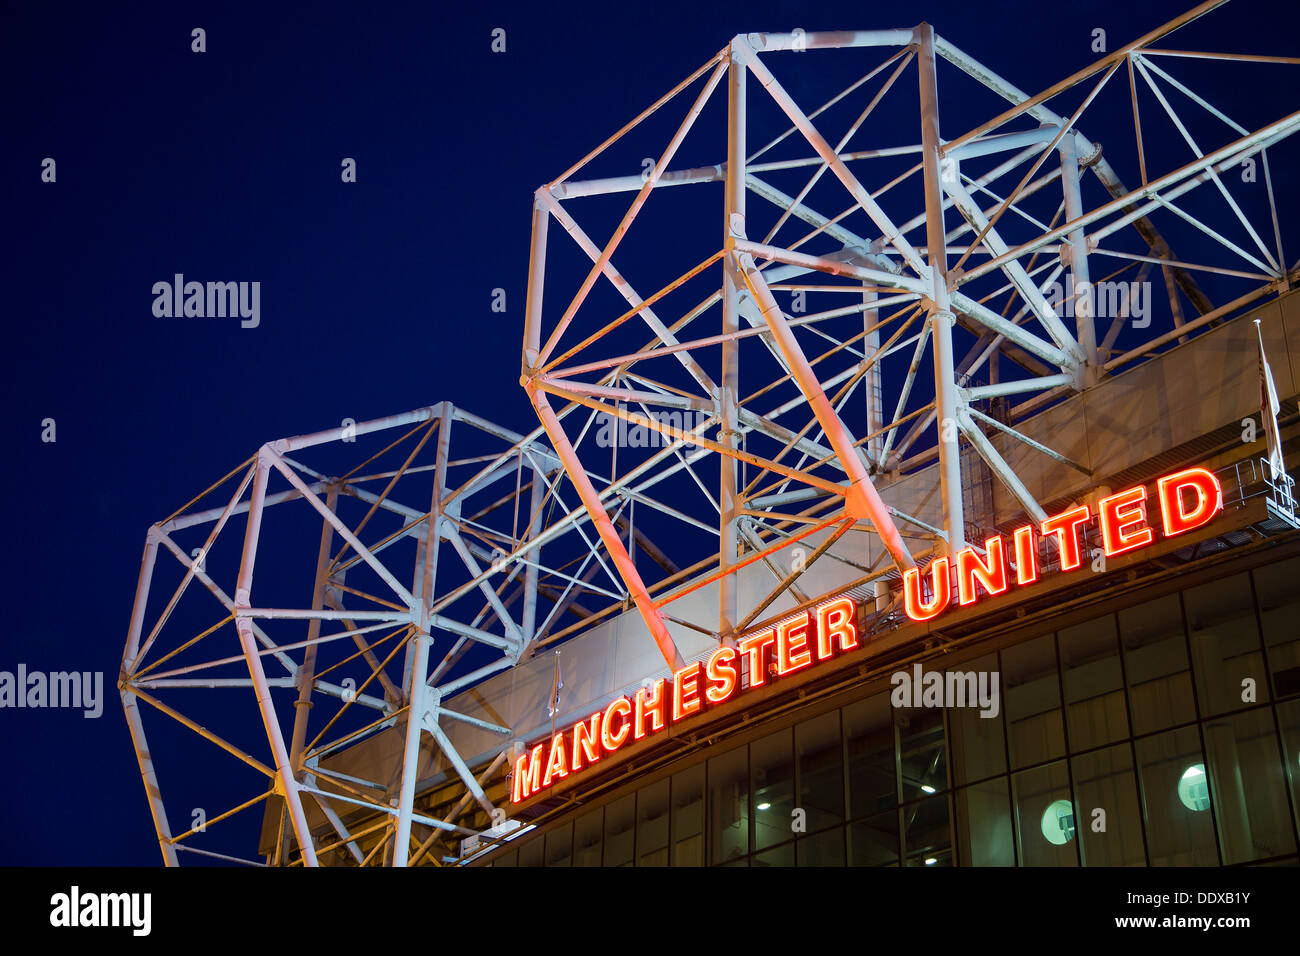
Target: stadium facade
893,523
1149,701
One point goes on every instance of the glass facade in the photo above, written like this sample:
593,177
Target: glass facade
1162,734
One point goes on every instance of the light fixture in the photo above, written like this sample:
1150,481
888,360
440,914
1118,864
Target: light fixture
926,788
931,860
765,806
1193,791
1057,824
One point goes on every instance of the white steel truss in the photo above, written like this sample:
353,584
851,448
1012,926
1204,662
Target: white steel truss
499,579
951,254
698,403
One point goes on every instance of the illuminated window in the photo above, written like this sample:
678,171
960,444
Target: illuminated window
1175,836
1058,822
1193,791
1045,816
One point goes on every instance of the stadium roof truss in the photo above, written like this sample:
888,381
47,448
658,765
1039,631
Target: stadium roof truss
476,536
365,663
974,245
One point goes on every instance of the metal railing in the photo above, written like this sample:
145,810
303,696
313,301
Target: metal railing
1253,477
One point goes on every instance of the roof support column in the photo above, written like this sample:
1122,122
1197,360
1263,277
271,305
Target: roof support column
732,286
941,317
286,784
417,680
1083,295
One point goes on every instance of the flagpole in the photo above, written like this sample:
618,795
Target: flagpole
554,704
1269,407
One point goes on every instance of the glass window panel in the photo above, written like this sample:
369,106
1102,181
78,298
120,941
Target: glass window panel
781,856
688,817
927,831
586,838
728,806
1176,801
1046,820
532,853
1104,780
1032,692
620,831
652,825
820,759
984,829
1279,609
559,846
821,849
1095,708
979,749
1288,718
874,841
923,752
1155,659
869,734
1225,644
771,762
1248,787
507,859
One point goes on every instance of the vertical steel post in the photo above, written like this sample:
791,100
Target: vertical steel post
536,491
732,283
873,383
244,625
941,317
418,694
132,708
417,579
1083,293
536,282
141,599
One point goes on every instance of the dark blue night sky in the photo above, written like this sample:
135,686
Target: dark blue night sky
375,296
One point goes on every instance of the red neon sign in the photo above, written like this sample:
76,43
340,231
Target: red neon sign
991,571
1209,500
790,646
918,609
1187,499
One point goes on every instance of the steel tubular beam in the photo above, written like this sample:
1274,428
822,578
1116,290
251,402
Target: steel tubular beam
941,317
860,194
1015,271
861,498
1000,468
1178,182
1084,327
462,771
829,39
288,786
418,688
150,776
732,286
1036,445
605,528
